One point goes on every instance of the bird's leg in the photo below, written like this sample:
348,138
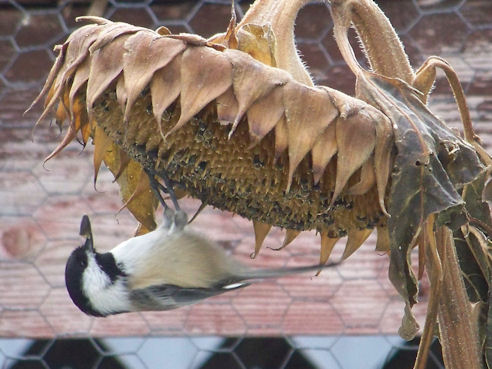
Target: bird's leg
175,220
169,189
157,187
180,219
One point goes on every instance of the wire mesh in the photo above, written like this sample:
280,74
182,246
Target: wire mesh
332,321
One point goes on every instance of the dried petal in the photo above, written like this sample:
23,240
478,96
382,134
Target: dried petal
106,65
383,157
383,241
165,88
79,114
93,19
110,32
229,38
327,245
258,41
264,114
101,144
205,75
290,235
63,111
81,76
355,239
122,160
324,149
61,114
251,80
261,231
226,107
69,136
87,128
121,95
357,131
145,53
137,195
76,52
163,31
54,71
367,179
309,111
281,137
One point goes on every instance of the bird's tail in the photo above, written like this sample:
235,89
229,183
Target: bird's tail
280,272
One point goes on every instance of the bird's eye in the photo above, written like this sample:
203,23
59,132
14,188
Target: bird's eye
83,263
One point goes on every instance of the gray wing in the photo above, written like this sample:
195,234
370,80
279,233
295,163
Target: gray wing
168,296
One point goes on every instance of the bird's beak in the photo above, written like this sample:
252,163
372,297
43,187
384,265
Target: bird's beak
86,231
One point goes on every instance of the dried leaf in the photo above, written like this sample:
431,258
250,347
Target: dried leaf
488,346
383,155
420,182
409,325
487,191
229,39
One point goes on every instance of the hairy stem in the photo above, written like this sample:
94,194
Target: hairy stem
459,339
424,80
381,44
281,15
436,277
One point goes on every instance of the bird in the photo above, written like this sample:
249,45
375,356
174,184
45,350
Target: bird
167,268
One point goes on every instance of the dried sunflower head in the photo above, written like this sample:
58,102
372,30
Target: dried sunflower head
234,132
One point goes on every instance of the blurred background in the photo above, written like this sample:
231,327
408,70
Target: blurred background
346,318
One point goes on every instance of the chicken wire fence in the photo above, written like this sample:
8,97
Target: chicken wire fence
346,318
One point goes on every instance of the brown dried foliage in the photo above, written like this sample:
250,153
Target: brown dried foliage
236,122
230,127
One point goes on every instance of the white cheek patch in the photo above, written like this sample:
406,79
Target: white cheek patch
105,297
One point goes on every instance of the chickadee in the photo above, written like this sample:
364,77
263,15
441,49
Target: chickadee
167,268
